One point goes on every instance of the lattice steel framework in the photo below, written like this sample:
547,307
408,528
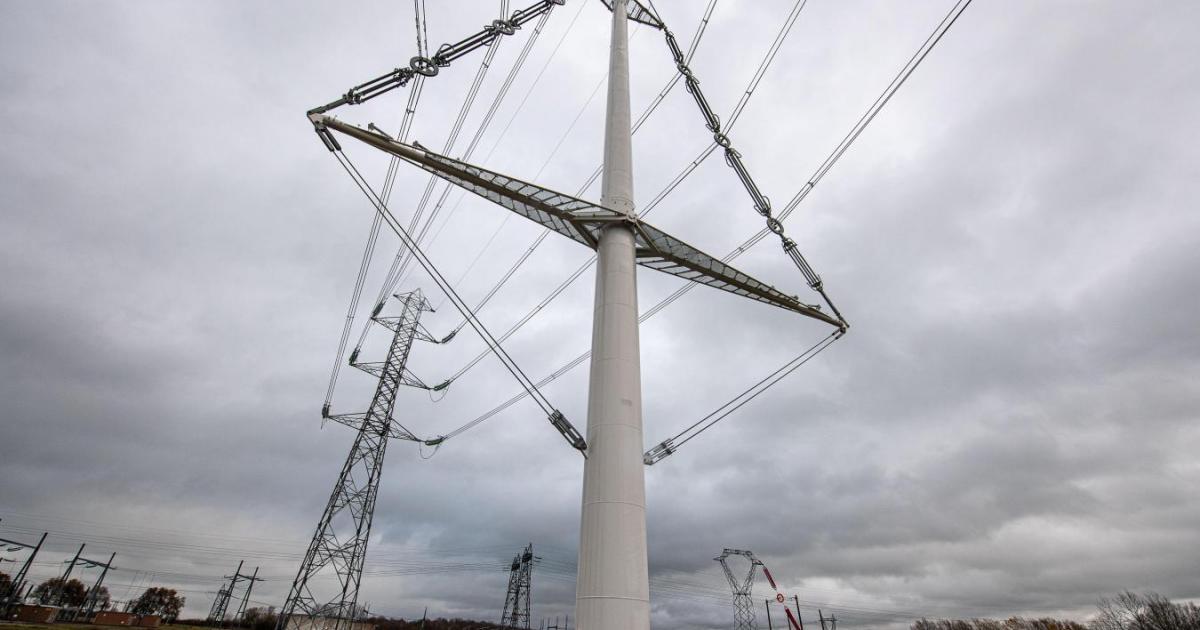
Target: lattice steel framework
220,606
743,603
520,583
340,542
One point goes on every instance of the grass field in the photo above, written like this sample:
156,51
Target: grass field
14,625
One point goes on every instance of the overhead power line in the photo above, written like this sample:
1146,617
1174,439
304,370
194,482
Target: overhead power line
872,111
560,423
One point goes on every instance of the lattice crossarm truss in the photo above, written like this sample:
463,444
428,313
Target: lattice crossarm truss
581,221
355,421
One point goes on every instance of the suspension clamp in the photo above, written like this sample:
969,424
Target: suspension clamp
658,453
568,431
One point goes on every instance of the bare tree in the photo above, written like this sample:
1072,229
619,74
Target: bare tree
1130,611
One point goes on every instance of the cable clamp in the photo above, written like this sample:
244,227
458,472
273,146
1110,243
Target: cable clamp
568,431
658,453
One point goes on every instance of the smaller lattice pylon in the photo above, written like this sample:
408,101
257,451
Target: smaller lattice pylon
743,603
220,605
339,545
520,585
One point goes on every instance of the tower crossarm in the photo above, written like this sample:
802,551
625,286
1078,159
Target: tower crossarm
376,368
581,221
355,421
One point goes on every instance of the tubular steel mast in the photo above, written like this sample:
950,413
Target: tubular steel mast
340,541
612,589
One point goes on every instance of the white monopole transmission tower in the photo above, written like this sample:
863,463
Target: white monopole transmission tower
612,590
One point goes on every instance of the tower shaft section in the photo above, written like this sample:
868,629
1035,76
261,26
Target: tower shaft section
340,542
612,589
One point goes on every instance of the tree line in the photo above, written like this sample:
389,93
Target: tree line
261,619
1127,611
73,593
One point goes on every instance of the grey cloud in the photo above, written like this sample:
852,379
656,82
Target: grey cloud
1009,427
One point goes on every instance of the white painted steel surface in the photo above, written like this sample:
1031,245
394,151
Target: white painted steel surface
613,587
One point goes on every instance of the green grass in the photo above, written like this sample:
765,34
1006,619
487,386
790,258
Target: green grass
22,625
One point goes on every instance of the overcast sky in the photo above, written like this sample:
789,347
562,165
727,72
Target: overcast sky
1008,428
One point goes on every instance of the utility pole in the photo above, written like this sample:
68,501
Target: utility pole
241,613
93,595
832,619
13,595
770,626
56,598
613,584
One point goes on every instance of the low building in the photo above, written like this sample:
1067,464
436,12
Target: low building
114,618
304,622
34,614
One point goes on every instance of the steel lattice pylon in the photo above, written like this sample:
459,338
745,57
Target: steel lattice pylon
216,614
743,603
340,542
520,580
